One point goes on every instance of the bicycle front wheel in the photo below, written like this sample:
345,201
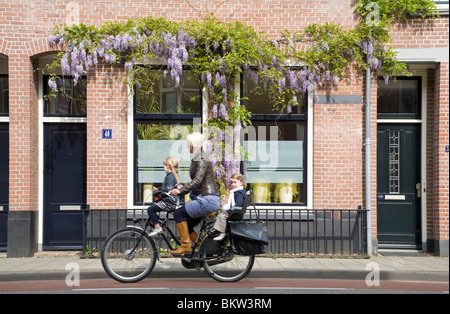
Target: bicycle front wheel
128,255
223,265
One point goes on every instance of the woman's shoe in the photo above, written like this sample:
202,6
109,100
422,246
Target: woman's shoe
156,232
220,237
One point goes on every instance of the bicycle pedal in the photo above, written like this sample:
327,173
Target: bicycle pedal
184,258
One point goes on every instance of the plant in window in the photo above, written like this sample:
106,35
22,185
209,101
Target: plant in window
286,192
261,192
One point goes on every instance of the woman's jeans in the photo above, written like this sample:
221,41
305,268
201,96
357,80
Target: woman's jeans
181,215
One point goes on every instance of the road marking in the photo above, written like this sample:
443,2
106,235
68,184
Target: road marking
297,288
118,289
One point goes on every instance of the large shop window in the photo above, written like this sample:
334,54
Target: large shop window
4,95
164,115
68,100
276,147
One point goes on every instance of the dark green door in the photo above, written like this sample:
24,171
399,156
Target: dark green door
398,185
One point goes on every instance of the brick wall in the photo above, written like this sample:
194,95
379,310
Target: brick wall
107,159
440,183
23,125
338,128
419,33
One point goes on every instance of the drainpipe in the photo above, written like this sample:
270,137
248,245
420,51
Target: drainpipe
368,168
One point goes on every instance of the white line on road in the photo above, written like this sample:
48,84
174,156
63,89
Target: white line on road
118,289
297,288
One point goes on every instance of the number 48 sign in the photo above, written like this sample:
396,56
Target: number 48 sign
106,133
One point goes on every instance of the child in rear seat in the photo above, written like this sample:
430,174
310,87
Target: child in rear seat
236,198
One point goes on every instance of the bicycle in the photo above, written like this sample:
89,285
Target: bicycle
129,255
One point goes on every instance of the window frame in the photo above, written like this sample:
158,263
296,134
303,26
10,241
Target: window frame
45,80
5,114
163,118
306,118
404,116
287,118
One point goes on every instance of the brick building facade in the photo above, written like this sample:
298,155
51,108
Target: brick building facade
333,131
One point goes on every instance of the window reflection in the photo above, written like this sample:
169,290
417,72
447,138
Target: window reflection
68,99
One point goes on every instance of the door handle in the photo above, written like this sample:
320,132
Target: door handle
418,189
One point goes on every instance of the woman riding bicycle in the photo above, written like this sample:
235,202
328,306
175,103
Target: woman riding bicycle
203,193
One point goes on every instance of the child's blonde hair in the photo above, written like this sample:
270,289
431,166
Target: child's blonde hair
240,177
173,165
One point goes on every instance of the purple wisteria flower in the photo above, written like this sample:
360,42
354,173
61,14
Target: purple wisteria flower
128,65
173,50
52,84
221,80
65,64
52,40
214,111
223,112
209,80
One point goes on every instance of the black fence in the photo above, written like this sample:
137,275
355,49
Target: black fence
292,232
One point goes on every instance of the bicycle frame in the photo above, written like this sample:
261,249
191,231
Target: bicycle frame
188,257
163,225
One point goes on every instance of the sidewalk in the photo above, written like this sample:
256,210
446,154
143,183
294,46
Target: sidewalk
392,266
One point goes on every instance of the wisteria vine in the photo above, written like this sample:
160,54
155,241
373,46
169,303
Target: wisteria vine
218,52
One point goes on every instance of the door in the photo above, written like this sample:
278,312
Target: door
398,185
64,185
4,184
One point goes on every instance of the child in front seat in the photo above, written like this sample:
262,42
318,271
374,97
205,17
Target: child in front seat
170,182
235,198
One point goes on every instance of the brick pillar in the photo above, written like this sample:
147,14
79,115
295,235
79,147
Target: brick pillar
23,156
107,159
440,183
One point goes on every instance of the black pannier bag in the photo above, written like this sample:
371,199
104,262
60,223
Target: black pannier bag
248,238
244,247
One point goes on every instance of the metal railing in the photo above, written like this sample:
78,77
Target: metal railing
292,232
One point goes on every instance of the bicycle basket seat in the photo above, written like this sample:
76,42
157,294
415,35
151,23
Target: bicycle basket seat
165,196
236,213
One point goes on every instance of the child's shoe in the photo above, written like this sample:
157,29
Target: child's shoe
156,232
220,237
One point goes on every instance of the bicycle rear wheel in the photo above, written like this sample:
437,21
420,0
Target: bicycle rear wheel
222,264
124,264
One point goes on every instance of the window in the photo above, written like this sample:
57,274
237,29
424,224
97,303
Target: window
400,99
4,95
442,6
164,114
276,147
68,100
275,143
158,95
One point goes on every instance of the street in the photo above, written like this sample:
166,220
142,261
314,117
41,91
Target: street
198,286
